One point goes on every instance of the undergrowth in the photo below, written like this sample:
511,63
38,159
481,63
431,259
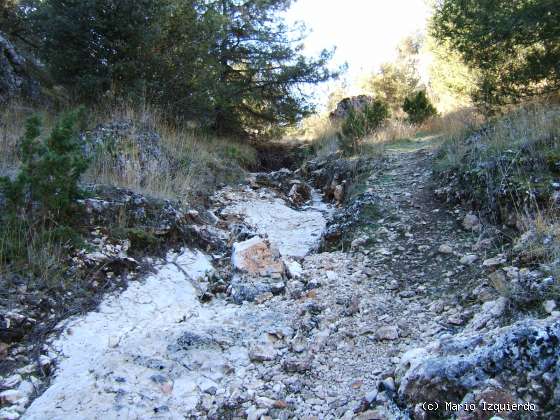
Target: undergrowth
509,170
510,165
192,163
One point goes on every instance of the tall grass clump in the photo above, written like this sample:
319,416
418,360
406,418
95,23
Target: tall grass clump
12,126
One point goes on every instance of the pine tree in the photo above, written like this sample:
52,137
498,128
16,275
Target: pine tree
514,45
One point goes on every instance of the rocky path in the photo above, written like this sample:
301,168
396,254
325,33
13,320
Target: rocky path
316,347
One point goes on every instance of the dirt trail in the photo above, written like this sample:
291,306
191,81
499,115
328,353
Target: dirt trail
316,350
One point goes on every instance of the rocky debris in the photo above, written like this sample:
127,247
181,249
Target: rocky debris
285,182
489,314
279,179
15,399
16,80
335,176
327,341
267,211
261,271
347,222
150,222
522,286
355,103
124,229
252,289
521,359
445,249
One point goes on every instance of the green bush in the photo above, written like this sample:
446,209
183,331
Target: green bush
418,107
47,184
361,124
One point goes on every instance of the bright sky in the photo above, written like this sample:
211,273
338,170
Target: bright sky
364,32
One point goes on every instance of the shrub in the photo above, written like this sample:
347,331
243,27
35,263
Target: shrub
418,107
361,124
47,183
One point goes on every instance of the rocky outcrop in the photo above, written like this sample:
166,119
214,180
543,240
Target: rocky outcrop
357,103
334,175
15,78
135,149
517,364
149,223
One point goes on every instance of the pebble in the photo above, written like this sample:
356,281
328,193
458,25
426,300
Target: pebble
262,353
468,259
549,306
445,249
493,262
292,365
455,320
387,333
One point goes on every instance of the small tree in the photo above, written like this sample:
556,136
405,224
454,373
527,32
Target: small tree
47,184
361,124
418,107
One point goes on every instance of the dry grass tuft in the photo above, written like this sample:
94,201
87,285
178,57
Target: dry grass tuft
12,125
326,141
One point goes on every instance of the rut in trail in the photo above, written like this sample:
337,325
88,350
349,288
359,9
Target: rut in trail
317,349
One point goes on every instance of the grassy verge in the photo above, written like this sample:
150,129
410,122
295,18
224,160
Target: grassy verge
200,161
510,166
509,170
